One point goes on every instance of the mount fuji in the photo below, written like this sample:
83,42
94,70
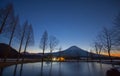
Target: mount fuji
73,51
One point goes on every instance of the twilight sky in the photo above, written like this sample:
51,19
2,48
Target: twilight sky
73,22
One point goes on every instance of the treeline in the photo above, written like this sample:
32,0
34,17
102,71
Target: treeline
11,28
108,40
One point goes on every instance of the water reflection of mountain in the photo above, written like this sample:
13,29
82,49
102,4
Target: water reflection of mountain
1,71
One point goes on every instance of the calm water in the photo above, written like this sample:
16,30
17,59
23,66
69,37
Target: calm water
56,69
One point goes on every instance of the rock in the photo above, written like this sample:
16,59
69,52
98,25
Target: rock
113,72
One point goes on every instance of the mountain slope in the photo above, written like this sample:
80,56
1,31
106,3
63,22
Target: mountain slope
73,51
10,52
76,52
5,50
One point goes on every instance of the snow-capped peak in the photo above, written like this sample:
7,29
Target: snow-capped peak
73,48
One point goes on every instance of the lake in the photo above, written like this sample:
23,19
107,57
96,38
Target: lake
56,69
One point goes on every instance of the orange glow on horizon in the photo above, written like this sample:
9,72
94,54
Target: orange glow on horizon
116,54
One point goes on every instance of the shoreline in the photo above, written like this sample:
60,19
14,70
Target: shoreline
13,62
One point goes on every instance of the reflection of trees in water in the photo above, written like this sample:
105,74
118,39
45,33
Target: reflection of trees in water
15,70
50,72
1,71
77,69
89,69
101,69
57,69
93,65
60,74
95,69
112,65
41,72
21,69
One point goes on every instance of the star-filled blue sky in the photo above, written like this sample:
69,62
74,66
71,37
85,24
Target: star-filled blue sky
73,22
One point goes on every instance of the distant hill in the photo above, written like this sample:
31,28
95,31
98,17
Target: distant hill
6,50
31,55
10,52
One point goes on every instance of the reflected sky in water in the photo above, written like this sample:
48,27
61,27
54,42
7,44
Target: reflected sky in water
56,69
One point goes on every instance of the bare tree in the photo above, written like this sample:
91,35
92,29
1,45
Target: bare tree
117,20
22,37
53,42
12,34
107,41
13,30
44,42
8,23
29,38
116,32
98,48
6,15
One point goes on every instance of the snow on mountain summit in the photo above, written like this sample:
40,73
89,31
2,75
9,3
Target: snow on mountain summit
74,51
73,48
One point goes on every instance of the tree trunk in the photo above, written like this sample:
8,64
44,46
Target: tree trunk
110,56
26,45
4,21
21,43
99,55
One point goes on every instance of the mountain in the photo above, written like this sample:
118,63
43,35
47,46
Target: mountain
76,52
6,50
72,52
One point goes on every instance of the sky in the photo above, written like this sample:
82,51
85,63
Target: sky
72,22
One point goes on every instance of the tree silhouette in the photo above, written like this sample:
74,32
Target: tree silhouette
116,32
107,41
53,42
6,17
98,47
13,30
22,37
11,33
29,38
44,42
